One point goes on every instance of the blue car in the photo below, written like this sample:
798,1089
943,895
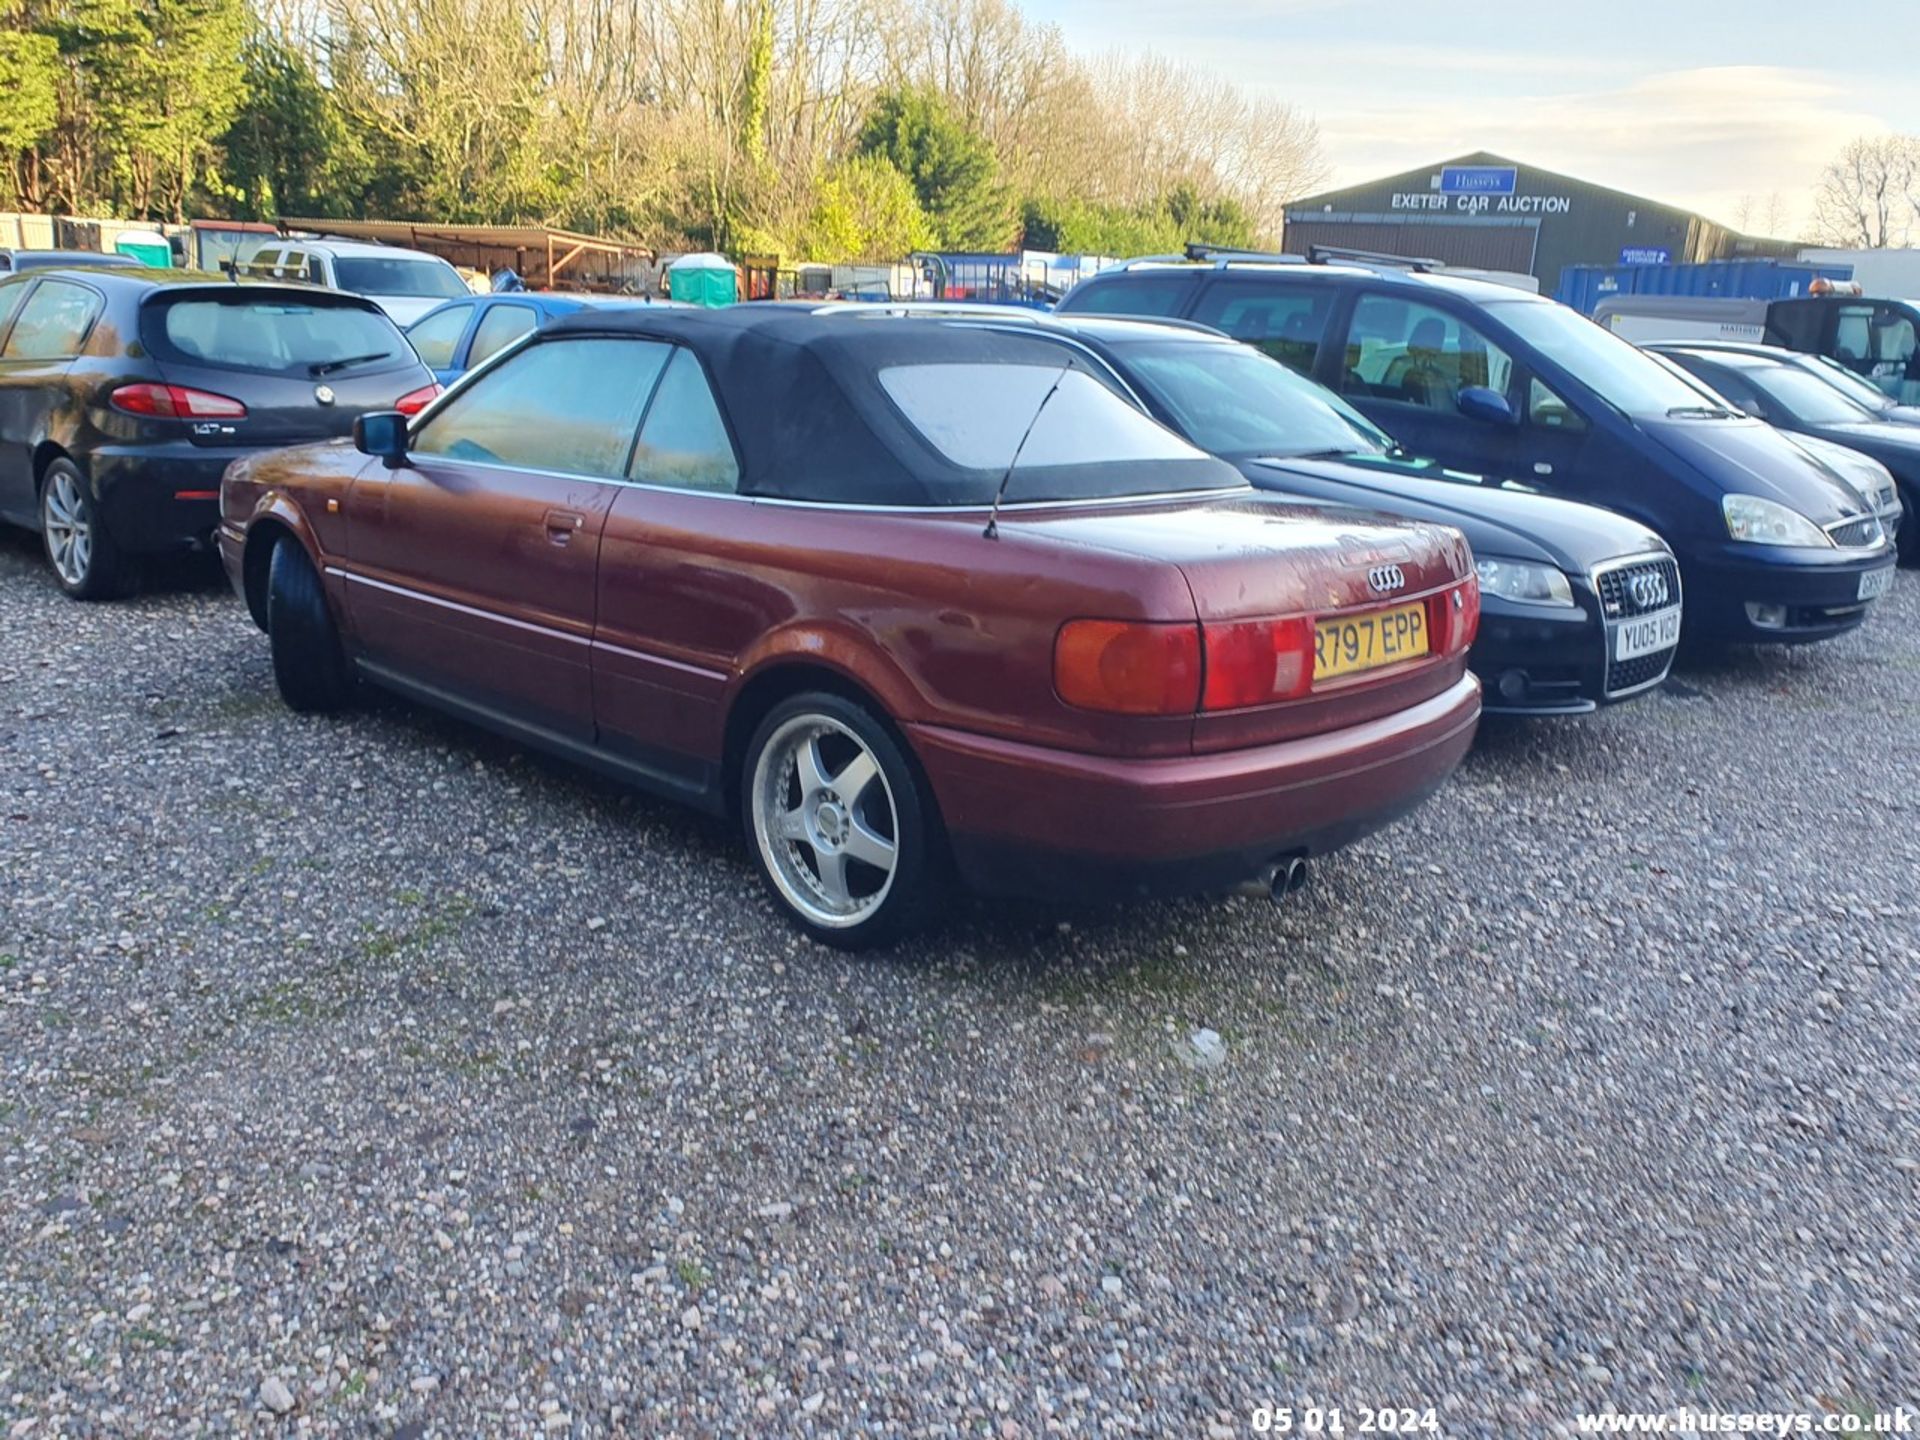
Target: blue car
453,338
1773,544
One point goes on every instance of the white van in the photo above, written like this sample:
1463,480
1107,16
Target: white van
404,283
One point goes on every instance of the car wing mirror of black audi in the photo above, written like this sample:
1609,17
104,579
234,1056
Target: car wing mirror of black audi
1478,402
382,434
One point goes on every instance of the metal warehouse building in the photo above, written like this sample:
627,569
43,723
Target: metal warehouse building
1492,213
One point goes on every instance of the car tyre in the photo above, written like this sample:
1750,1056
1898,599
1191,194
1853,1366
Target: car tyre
1907,538
840,825
84,558
309,664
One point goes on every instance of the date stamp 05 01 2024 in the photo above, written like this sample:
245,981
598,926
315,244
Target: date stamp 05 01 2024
1345,1420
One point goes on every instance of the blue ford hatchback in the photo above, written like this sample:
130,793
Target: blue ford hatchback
1773,545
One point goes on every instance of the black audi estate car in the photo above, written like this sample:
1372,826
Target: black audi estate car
125,392
1775,545
1579,607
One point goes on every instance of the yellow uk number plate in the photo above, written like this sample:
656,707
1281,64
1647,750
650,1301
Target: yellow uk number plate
1354,643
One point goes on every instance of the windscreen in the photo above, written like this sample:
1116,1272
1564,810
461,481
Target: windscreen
1239,403
278,336
1806,395
397,275
1621,373
1843,379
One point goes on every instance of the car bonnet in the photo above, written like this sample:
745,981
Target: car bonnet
1746,457
1496,520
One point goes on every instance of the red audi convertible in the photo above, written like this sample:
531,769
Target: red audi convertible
908,599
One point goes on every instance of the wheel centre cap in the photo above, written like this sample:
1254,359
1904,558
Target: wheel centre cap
830,822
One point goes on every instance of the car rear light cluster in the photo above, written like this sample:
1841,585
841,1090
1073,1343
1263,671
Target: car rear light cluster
1453,616
1128,667
176,402
1137,667
414,401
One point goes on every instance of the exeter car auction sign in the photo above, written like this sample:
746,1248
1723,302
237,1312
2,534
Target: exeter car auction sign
1481,189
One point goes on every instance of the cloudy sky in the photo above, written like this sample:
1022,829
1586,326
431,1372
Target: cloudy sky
1702,105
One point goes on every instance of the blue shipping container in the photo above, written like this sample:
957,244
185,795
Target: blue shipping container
1585,286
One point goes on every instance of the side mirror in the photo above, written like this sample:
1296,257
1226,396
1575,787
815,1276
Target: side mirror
383,434
1477,402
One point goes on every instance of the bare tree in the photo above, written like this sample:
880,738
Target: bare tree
1763,215
1869,198
1164,124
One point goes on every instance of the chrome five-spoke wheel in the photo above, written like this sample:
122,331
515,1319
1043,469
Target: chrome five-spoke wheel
825,821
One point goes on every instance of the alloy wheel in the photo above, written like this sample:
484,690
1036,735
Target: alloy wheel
68,525
825,821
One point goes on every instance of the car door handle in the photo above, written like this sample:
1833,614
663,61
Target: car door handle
562,523
1541,467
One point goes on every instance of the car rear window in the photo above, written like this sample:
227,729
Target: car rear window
397,275
1136,294
280,336
977,416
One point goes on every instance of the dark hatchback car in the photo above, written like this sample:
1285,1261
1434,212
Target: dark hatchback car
1579,607
124,393
1774,545
1779,388
894,595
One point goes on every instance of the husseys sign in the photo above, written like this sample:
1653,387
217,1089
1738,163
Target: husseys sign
1481,189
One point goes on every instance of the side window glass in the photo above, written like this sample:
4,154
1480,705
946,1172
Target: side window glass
9,300
53,322
1893,341
684,442
263,262
1549,411
497,328
433,338
567,405
1415,354
1853,336
1286,323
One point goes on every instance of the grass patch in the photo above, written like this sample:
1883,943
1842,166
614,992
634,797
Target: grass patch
692,1274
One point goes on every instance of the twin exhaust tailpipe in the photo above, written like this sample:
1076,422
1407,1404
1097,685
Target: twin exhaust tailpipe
1276,882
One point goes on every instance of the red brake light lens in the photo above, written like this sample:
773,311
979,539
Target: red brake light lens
1128,667
414,401
1453,616
176,402
1256,662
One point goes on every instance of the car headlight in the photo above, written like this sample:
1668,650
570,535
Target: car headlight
1523,580
1765,522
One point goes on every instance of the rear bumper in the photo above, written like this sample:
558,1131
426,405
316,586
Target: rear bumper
160,497
1027,820
1819,590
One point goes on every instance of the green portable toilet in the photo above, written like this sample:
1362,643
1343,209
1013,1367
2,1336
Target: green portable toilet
149,247
703,279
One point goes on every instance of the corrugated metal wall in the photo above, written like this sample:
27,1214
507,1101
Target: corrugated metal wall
1483,247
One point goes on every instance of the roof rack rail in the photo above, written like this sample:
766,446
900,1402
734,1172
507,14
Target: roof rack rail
1200,250
1420,265
980,314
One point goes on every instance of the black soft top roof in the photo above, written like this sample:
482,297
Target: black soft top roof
812,421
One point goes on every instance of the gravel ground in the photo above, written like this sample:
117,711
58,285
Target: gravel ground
370,1077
